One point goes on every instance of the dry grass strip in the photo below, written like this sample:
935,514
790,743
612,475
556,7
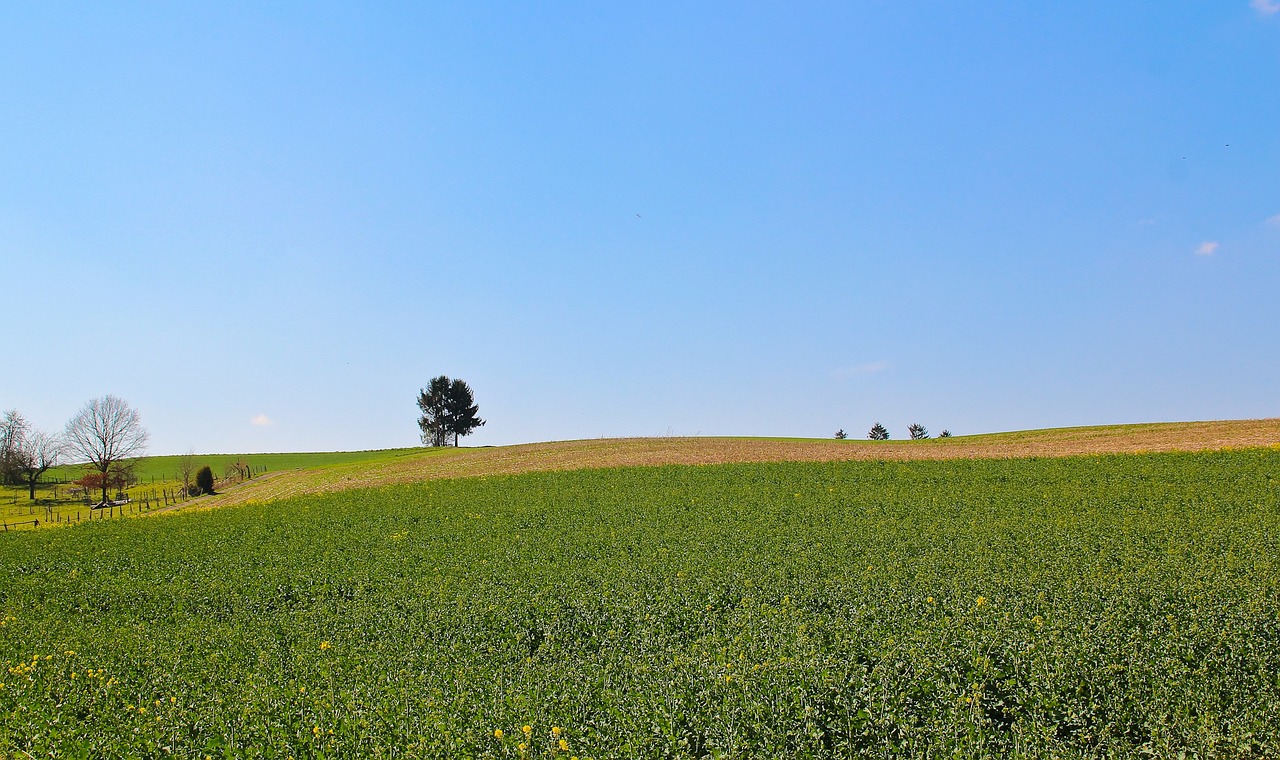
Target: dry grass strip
645,452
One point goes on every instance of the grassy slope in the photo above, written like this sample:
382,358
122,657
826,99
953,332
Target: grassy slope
166,467
1074,607
418,465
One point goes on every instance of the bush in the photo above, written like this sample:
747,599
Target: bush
204,480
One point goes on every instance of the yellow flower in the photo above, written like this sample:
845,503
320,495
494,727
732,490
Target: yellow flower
497,733
555,731
982,600
522,746
527,729
564,746
324,645
315,730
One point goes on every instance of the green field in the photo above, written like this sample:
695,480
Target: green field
160,468
159,483
1086,606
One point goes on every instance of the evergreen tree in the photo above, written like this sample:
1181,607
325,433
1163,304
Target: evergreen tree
878,433
433,401
461,410
918,432
448,408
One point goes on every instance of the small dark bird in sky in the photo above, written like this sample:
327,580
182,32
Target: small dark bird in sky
639,217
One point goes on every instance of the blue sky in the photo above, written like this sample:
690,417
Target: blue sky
267,225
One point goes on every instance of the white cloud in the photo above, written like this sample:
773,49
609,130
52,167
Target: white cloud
1266,7
260,420
1274,221
1207,248
870,368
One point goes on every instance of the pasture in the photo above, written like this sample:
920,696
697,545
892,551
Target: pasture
158,484
1070,607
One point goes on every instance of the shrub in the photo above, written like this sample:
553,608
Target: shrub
204,480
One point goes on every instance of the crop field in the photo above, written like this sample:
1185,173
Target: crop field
418,465
1089,606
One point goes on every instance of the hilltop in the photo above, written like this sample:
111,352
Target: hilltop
337,472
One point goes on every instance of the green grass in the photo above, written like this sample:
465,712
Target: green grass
165,468
55,503
1055,607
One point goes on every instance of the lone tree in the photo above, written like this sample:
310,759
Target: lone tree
918,432
448,407
105,433
878,433
841,435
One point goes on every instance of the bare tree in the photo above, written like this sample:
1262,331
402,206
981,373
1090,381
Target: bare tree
25,454
104,433
14,429
35,456
186,470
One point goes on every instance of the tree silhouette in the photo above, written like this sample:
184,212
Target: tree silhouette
434,421
878,433
461,410
448,407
